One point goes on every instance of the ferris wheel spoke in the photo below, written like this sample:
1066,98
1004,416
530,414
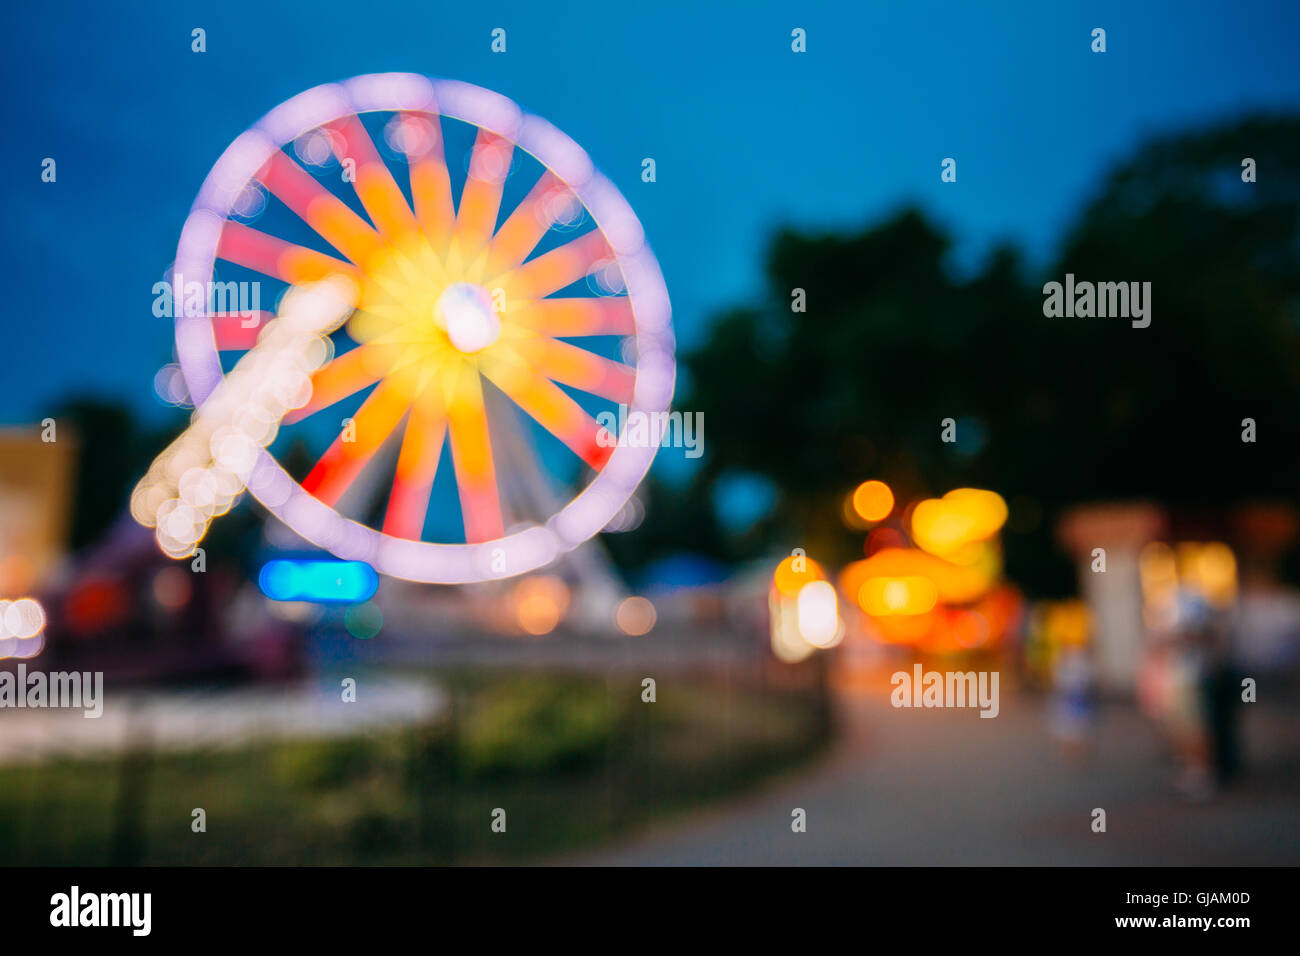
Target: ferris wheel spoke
583,370
561,267
576,317
344,459
431,190
236,332
480,200
417,464
345,375
525,226
471,454
271,256
321,209
550,407
374,183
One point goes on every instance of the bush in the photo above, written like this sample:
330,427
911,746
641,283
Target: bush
539,726
325,764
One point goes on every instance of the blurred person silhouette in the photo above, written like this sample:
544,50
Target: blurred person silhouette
1072,705
1170,693
1220,690
1192,668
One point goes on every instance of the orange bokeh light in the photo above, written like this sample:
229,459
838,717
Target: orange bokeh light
794,572
635,616
541,602
873,501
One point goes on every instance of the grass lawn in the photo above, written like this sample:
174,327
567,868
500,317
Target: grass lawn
573,761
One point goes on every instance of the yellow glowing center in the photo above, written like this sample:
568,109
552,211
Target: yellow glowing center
424,318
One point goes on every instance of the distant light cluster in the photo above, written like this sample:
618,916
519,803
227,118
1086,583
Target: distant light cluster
22,628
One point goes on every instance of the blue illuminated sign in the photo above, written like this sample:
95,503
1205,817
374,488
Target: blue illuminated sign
321,581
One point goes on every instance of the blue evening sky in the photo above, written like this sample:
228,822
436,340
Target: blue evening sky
746,134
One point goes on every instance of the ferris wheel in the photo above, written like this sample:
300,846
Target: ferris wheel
477,311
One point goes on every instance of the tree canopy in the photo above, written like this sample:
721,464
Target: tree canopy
1050,411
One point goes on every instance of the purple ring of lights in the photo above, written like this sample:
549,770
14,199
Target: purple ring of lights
425,561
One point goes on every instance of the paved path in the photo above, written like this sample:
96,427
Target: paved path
918,787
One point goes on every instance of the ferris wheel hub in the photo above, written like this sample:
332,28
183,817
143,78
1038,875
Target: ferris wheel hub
464,311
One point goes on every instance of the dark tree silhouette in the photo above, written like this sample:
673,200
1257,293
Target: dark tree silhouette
1054,411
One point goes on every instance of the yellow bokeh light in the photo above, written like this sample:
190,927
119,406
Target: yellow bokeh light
953,583
1217,572
912,594
1067,623
1210,570
944,526
1158,570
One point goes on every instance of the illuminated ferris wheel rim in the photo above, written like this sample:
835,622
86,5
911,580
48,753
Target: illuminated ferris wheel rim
447,563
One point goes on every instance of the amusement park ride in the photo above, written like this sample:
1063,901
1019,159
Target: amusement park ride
456,310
